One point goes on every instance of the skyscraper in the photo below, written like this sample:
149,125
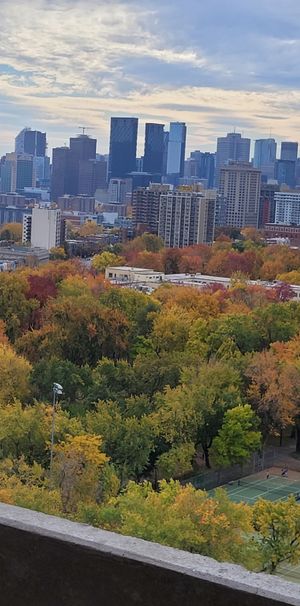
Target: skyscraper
64,173
239,192
122,146
154,148
232,148
17,172
176,150
31,142
187,217
201,165
265,157
83,147
289,151
285,172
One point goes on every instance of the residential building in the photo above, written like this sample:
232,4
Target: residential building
267,203
287,210
239,195
84,204
265,157
232,148
45,227
187,217
15,200
145,207
17,172
12,214
32,142
122,147
176,151
154,148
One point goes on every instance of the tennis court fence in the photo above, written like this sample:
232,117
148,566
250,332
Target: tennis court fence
212,479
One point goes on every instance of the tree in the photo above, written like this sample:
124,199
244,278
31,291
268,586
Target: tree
177,461
11,231
105,259
90,228
58,252
128,441
194,411
77,465
238,437
14,375
15,308
278,524
189,519
171,329
76,381
271,391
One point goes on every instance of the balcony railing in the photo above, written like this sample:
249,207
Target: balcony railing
48,561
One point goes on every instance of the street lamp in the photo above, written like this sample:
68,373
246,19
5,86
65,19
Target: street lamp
57,391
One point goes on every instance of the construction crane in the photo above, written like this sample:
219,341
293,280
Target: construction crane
84,128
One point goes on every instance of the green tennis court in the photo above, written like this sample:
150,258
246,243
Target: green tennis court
251,488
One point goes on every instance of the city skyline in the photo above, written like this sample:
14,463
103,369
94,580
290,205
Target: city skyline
223,66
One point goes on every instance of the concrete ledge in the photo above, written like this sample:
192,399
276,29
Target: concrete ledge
48,561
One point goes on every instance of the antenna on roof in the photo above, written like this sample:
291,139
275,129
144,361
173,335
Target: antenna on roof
84,128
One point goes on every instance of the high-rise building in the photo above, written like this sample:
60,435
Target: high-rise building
85,204
267,203
145,207
232,148
201,165
187,217
176,151
17,172
84,147
64,178
122,146
154,148
287,208
239,195
289,151
165,154
31,142
118,190
44,229
265,157
91,176
285,172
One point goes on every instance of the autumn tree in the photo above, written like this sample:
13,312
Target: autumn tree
271,391
14,375
189,519
105,259
77,465
11,231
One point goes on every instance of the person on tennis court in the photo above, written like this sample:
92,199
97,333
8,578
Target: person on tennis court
285,472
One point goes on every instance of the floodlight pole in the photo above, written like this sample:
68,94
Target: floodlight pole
57,390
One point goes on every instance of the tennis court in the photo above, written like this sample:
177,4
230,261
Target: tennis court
263,486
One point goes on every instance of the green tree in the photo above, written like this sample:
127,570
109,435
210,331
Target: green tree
278,524
14,375
238,437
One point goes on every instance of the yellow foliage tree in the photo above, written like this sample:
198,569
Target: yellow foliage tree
14,375
77,465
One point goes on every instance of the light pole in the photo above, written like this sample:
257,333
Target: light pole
57,391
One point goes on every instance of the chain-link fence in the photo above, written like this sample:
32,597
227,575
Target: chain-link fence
212,479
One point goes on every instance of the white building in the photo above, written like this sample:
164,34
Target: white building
133,274
44,229
287,207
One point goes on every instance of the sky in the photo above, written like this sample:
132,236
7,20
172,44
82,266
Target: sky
217,65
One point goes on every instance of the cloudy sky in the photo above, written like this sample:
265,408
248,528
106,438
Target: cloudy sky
216,64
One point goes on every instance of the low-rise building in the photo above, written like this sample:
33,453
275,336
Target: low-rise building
133,274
